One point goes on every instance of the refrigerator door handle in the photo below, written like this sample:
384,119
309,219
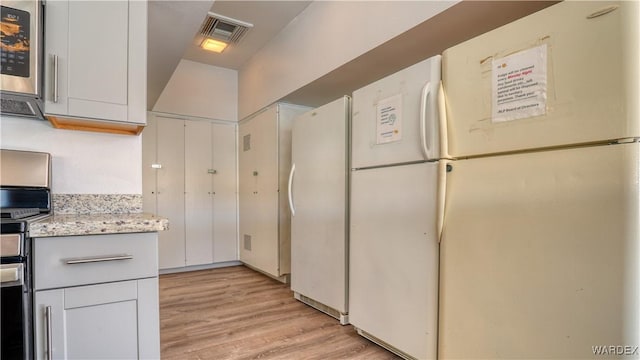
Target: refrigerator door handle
290,190
444,167
442,119
426,91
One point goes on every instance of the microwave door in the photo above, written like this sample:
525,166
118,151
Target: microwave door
20,47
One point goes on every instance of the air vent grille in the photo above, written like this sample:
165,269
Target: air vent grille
224,28
17,107
246,142
384,344
318,305
247,242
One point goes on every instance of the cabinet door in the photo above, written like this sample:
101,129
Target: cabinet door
247,188
225,239
170,194
107,321
198,209
259,209
137,62
100,74
149,172
56,47
267,242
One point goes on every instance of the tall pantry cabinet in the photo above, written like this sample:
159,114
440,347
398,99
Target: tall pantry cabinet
189,176
264,153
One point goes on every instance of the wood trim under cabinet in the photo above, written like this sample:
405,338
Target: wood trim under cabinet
95,126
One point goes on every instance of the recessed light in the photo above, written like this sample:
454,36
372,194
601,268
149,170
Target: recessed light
213,45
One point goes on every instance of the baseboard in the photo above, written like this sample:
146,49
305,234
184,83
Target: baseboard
199,267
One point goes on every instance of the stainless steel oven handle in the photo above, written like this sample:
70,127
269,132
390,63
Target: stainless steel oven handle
55,78
47,317
93,259
11,275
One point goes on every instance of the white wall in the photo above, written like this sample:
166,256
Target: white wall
326,35
82,162
201,90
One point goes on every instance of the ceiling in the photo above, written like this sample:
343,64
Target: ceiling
267,17
174,25
461,22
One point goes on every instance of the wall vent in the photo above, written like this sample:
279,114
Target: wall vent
246,142
224,28
247,242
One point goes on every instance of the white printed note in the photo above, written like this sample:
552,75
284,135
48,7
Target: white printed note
519,84
389,120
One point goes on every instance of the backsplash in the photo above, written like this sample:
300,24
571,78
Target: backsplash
97,203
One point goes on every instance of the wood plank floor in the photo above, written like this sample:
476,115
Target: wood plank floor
237,313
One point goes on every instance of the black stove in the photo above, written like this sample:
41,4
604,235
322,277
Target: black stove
16,327
21,206
21,203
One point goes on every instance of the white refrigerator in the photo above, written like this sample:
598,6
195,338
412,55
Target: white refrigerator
395,178
540,249
318,200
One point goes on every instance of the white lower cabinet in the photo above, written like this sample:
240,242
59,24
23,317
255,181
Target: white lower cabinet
96,297
105,321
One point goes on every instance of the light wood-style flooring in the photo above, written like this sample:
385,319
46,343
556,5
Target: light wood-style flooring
237,313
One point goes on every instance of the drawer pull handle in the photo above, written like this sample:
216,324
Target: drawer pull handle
55,78
47,320
93,259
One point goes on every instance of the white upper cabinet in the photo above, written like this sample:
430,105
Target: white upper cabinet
95,60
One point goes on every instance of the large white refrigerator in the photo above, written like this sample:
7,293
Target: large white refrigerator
319,202
395,178
540,248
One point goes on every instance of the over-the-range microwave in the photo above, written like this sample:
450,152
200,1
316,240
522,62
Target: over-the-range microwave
21,58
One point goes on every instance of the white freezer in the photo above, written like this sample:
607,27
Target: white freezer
592,80
318,197
393,275
540,254
395,119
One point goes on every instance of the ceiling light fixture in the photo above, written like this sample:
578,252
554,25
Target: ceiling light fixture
213,45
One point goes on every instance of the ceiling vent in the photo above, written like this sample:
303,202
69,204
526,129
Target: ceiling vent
224,28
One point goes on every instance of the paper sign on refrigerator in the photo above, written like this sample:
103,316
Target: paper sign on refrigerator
519,83
389,120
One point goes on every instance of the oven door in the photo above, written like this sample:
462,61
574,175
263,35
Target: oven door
15,313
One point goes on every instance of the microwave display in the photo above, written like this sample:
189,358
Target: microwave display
14,42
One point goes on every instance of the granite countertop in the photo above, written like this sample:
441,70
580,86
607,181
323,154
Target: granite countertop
92,224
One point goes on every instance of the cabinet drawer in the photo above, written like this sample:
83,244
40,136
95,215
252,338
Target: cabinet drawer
91,259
